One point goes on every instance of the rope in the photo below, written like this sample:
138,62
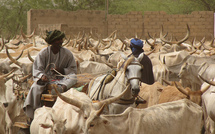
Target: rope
66,76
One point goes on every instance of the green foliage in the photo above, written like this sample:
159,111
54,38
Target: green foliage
91,4
12,17
205,5
13,13
169,6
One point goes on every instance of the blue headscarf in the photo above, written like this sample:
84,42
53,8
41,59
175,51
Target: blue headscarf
136,46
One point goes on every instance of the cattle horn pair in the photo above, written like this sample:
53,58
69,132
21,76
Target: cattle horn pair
25,36
5,76
186,92
80,104
11,58
175,42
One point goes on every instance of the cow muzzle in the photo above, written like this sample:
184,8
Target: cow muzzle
135,91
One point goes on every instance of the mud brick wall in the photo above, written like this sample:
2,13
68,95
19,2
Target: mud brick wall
201,24
129,25
70,22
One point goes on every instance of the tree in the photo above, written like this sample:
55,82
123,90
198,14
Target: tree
91,4
207,5
12,17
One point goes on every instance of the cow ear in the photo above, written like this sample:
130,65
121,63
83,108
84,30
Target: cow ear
45,126
160,90
65,121
105,122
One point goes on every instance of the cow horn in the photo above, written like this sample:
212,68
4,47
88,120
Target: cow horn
6,75
20,55
186,37
112,34
3,44
121,48
79,46
207,81
29,57
162,36
148,53
67,41
13,60
25,36
21,80
205,89
155,36
182,90
113,99
95,48
71,101
125,43
86,42
152,45
164,61
167,82
107,46
7,78
178,42
12,47
100,110
34,43
151,36
90,43
193,52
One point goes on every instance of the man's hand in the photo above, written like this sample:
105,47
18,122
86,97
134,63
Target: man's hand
44,78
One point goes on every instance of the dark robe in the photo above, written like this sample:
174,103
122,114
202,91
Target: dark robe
147,74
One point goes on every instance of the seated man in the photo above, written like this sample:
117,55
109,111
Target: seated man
53,65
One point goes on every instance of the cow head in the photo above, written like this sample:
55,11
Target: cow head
133,71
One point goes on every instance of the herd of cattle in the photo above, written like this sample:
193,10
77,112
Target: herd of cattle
179,102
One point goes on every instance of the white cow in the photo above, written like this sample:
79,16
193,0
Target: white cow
47,122
5,64
26,67
93,67
208,106
178,117
12,106
76,107
189,74
175,45
6,122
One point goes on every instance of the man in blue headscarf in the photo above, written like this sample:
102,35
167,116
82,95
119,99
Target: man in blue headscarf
136,46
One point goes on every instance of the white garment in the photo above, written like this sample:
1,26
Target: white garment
44,61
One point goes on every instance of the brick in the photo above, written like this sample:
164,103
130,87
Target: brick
162,12
83,19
